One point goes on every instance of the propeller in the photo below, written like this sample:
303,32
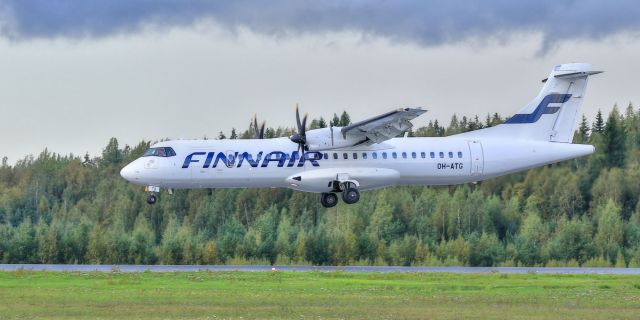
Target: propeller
259,132
300,137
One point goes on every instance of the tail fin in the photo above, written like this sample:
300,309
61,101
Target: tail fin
552,115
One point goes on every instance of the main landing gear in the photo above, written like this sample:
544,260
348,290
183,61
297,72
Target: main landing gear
350,195
328,200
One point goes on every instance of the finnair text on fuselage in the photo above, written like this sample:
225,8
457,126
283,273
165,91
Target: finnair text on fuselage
237,159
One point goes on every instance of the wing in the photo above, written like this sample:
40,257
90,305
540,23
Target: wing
382,127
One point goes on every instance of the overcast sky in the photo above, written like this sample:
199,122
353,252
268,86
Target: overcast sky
75,73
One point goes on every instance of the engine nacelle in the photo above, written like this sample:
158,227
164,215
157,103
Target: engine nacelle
324,139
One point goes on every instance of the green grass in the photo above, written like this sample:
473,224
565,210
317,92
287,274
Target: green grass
221,295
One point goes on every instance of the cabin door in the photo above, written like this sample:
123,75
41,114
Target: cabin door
477,158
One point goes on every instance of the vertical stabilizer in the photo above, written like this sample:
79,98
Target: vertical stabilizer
552,114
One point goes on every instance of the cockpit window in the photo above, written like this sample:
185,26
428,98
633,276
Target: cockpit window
149,152
159,152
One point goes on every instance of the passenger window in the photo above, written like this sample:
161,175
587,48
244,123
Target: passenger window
345,156
432,154
364,155
384,155
335,156
423,155
404,155
459,154
413,155
375,155
441,154
355,156
450,154
326,156
394,155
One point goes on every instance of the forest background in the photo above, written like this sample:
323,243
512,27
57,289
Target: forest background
585,212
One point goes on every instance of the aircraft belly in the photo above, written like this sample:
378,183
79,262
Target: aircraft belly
507,157
234,177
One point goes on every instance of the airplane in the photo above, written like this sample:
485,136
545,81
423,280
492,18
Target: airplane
371,154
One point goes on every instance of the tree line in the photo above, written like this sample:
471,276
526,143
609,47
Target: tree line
585,212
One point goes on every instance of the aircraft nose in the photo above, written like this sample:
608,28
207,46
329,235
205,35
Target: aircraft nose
128,172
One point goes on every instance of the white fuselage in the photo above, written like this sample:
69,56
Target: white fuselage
276,163
364,155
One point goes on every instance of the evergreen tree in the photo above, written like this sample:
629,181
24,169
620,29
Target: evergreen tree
598,124
335,121
345,120
496,119
314,124
322,123
614,140
86,162
582,135
453,125
111,154
631,128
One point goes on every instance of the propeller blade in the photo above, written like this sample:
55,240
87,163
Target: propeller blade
304,126
261,134
299,136
298,118
255,126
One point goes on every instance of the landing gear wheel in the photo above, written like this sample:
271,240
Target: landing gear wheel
152,199
350,195
328,200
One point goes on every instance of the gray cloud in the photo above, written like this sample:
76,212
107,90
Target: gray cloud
425,22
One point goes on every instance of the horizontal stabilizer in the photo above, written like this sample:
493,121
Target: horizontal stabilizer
573,75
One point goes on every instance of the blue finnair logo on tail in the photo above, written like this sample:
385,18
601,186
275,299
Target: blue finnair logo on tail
543,108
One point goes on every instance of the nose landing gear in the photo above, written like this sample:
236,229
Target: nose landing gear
151,199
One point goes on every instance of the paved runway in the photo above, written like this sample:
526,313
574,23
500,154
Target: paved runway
264,268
